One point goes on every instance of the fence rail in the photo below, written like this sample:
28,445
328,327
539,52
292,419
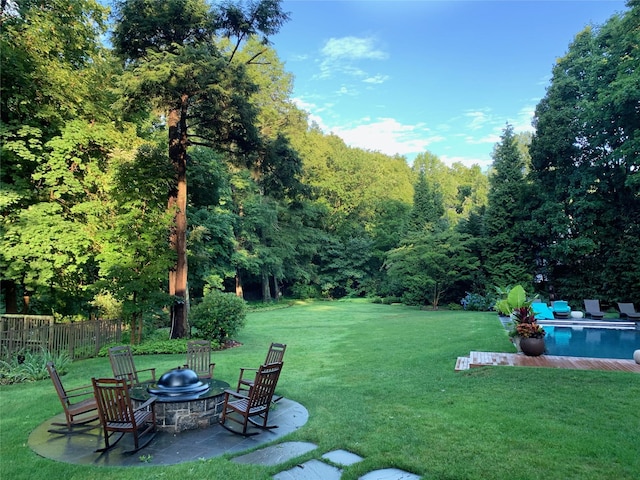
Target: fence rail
35,332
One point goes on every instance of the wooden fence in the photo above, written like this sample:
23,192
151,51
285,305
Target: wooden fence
36,332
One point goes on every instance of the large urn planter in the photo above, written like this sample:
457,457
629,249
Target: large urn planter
533,347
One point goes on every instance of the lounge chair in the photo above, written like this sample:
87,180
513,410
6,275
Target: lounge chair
561,309
627,310
592,309
542,311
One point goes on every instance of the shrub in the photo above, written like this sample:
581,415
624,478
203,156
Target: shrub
27,366
478,303
218,316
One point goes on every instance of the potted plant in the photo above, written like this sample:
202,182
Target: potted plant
530,333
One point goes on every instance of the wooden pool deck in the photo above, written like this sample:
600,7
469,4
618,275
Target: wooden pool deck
482,359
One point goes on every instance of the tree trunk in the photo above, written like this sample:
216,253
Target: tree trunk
239,290
8,288
276,289
266,289
178,142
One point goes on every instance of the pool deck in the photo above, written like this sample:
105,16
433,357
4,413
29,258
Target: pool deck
482,359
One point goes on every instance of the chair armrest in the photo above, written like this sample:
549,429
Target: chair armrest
149,402
246,369
85,388
80,394
236,394
152,370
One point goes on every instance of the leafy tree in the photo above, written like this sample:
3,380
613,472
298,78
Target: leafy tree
585,165
133,254
175,59
53,72
431,268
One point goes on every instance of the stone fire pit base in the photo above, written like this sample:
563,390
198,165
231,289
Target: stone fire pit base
176,417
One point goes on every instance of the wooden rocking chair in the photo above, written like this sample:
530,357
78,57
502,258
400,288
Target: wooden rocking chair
274,355
123,366
117,414
199,358
79,412
256,404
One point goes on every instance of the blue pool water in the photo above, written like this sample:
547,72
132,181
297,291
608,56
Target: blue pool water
577,341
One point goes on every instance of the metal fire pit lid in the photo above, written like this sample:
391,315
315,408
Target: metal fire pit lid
178,382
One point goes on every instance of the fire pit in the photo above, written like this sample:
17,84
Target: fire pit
184,401
177,385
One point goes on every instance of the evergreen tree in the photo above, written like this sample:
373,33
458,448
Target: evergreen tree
505,260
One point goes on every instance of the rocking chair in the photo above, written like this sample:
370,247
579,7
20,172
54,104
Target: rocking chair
79,414
123,366
274,355
199,358
117,414
256,404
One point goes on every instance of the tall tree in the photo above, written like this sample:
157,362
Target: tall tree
584,164
505,263
176,60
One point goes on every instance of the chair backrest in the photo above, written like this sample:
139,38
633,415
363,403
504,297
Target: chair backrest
55,378
122,364
275,353
592,305
627,308
561,306
199,357
114,403
264,385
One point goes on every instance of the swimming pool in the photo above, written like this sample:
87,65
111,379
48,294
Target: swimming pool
594,339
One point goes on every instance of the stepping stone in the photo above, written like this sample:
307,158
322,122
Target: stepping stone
389,474
342,457
276,454
311,470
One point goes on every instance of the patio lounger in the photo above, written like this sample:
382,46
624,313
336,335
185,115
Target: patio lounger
627,310
561,309
542,311
592,309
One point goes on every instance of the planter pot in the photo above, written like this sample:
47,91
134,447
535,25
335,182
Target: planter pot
532,346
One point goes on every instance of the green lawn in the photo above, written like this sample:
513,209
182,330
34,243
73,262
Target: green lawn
378,380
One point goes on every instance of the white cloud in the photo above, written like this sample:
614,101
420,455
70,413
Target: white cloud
376,79
388,136
340,54
478,119
352,48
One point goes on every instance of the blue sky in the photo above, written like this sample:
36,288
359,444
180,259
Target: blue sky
404,77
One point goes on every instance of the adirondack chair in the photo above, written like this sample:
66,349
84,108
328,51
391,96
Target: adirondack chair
118,416
199,358
255,404
79,405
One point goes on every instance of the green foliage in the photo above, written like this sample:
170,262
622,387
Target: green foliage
28,366
515,298
476,302
218,317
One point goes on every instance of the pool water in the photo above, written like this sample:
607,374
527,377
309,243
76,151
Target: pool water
576,341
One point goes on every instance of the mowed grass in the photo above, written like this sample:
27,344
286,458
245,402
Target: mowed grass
379,381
